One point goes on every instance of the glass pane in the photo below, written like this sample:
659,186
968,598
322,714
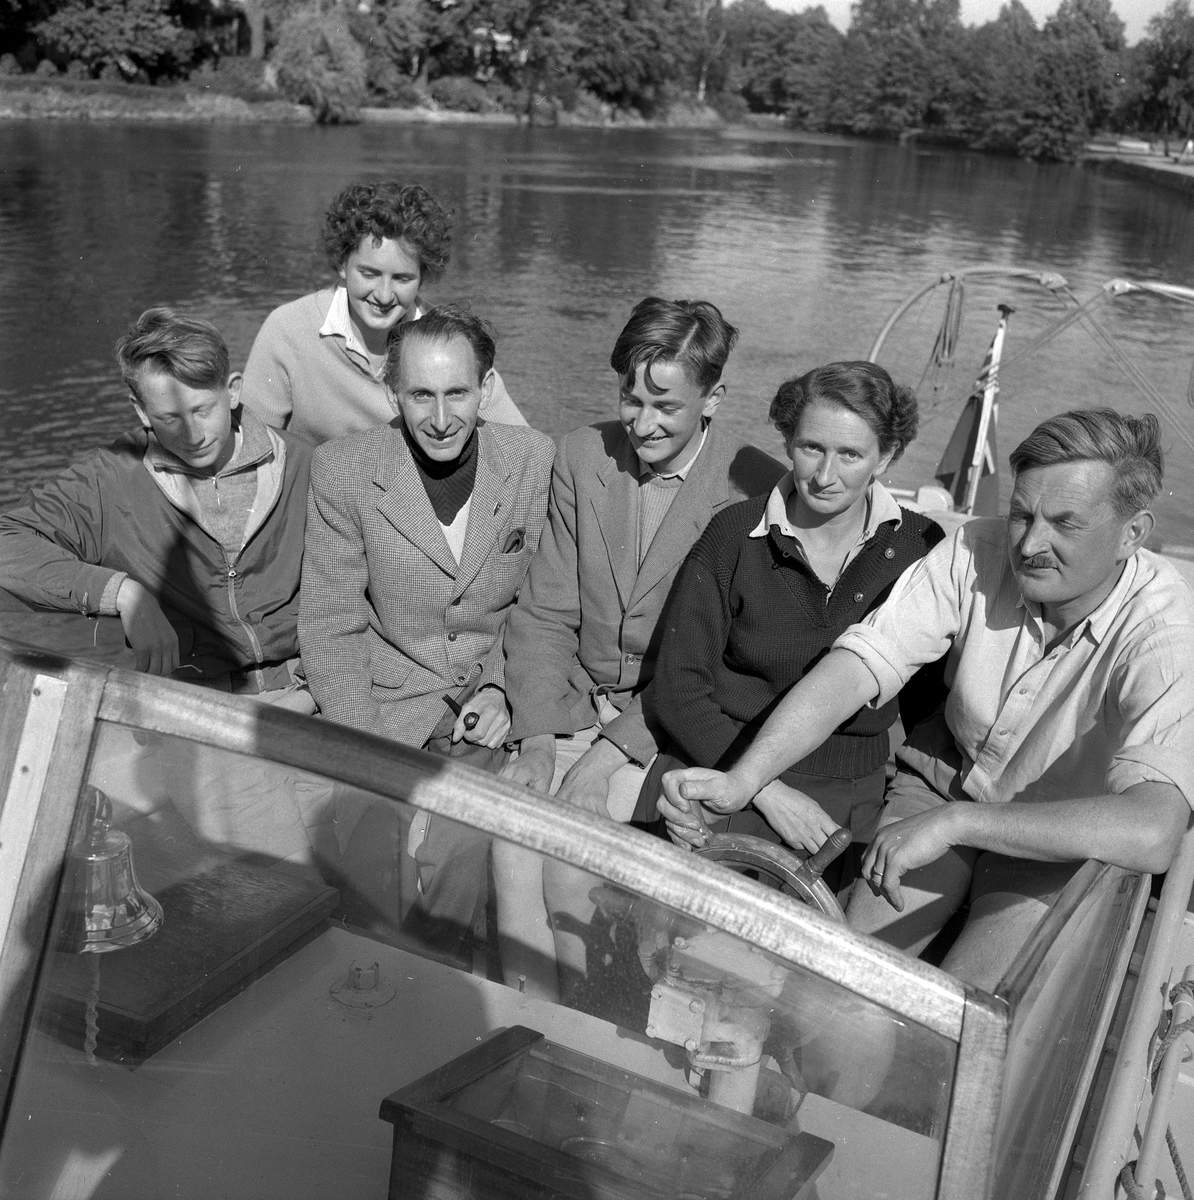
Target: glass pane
323,950
1068,992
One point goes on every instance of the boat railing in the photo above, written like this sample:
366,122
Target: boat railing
1129,1078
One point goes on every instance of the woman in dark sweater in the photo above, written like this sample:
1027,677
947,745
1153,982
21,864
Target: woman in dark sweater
768,588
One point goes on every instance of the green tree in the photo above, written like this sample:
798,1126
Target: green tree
627,50
320,63
131,34
702,26
394,37
1162,82
900,69
545,43
999,69
1073,93
782,62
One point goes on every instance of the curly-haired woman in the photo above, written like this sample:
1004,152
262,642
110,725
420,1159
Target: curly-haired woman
771,584
317,364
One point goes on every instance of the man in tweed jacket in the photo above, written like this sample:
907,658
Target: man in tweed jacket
419,534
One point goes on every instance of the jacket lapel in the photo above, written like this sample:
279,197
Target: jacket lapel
615,505
706,487
405,505
487,512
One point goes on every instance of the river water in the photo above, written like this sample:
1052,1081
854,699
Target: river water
806,243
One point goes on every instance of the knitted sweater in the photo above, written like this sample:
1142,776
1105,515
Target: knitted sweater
306,383
748,618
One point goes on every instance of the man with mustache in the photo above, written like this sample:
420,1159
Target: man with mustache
1069,729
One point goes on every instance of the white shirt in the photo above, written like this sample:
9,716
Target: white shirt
1109,707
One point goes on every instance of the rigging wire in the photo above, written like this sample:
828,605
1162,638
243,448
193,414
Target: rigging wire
1138,378
941,357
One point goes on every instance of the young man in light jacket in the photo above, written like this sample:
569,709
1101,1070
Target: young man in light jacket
188,528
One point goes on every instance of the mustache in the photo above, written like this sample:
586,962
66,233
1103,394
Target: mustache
1038,562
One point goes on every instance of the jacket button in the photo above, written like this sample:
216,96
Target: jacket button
889,553
858,597
231,572
451,637
631,658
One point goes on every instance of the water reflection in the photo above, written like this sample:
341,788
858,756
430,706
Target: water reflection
806,243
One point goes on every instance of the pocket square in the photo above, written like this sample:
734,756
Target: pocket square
515,542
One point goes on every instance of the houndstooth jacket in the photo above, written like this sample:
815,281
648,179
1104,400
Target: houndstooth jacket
388,622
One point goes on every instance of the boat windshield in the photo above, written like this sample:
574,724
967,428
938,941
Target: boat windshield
239,992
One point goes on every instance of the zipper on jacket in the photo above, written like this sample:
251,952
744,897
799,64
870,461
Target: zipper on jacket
231,576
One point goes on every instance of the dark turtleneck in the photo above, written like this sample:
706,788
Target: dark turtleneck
448,484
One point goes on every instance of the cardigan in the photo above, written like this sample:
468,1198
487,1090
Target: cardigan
749,618
298,380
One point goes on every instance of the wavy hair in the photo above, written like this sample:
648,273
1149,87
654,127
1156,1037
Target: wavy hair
188,348
1130,446
692,333
863,388
386,209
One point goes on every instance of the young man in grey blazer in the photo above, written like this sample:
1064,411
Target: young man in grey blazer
629,498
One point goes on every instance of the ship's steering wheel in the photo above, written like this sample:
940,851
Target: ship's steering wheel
778,867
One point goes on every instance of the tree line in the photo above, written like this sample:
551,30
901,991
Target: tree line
902,68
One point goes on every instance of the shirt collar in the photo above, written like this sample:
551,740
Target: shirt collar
1098,622
253,447
644,470
881,509
338,323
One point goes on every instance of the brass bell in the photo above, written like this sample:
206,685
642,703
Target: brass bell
105,908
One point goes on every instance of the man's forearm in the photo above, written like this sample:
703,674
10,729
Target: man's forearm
1139,829
834,690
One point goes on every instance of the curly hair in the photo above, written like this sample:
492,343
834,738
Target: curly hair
863,388
388,210
187,348
1130,446
692,333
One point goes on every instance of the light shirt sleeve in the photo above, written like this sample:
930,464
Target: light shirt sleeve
1151,699
919,620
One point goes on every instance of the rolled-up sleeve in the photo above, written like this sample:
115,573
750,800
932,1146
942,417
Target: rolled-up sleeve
918,621
1151,697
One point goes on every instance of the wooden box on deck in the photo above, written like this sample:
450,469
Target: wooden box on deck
447,1145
